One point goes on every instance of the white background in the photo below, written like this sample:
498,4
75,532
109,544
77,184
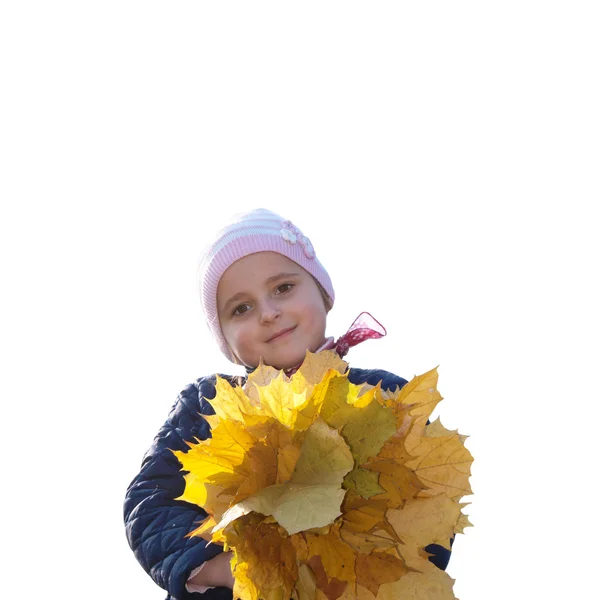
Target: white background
438,155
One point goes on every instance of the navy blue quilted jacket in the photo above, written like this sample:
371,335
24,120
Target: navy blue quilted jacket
157,524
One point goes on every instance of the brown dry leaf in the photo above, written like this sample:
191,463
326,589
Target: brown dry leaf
400,484
435,585
363,515
425,521
462,523
441,461
415,558
365,543
298,541
394,449
327,588
373,570
337,557
436,429
356,592
306,586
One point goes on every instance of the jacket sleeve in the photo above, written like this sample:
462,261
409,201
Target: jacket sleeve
388,381
156,524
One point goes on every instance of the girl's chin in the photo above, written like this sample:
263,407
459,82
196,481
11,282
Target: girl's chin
283,361
286,364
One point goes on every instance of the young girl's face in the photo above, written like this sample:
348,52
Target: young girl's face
271,309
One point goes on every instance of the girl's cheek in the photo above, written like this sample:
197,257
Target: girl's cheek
244,337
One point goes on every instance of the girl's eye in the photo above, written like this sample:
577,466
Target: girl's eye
284,287
241,309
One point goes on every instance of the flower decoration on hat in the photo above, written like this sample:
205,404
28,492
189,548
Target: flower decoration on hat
293,235
326,489
289,236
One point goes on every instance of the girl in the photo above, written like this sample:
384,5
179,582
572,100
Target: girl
266,296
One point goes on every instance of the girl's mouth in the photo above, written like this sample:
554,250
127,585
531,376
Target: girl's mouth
281,334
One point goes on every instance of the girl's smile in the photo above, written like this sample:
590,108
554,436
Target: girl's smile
281,335
271,310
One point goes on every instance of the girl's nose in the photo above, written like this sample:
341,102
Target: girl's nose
269,311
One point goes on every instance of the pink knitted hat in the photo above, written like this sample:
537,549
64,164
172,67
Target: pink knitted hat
257,231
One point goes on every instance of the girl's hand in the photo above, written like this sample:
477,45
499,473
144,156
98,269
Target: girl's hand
215,572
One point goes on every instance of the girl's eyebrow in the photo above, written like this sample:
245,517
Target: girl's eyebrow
232,300
281,276
271,279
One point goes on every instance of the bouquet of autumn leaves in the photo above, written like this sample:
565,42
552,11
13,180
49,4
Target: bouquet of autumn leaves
326,489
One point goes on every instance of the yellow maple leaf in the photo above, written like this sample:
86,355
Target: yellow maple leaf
231,403
263,375
309,409
288,456
419,397
366,428
315,367
265,560
279,405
